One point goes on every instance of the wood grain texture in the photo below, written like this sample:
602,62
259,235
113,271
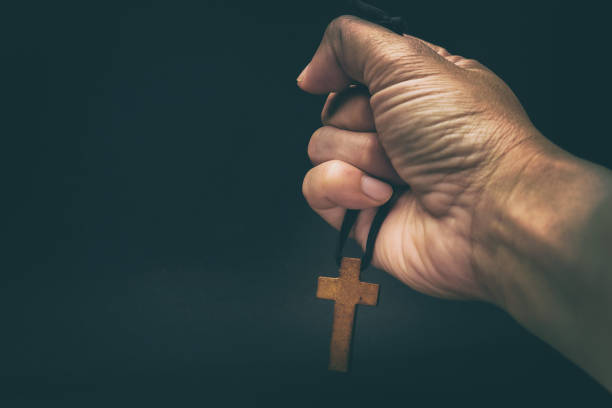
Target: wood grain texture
347,291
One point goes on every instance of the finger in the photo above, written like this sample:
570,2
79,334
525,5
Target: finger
360,149
349,109
353,49
333,186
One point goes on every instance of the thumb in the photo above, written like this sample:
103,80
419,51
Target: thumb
356,50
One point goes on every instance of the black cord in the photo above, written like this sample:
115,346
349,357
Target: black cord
396,24
369,12
347,225
350,217
379,218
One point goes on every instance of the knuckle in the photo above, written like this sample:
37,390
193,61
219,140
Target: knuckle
443,51
340,23
314,145
369,147
370,142
470,63
308,191
454,58
306,185
339,27
312,148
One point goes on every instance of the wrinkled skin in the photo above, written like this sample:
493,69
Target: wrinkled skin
440,123
495,211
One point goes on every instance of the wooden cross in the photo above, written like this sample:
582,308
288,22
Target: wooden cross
347,291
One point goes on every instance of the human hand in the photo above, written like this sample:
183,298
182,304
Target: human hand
494,212
441,123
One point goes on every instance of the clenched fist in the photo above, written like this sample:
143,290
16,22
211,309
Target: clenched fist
494,211
438,122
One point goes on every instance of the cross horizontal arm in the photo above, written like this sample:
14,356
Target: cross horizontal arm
368,293
326,289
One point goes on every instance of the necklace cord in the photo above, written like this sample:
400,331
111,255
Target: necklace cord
350,217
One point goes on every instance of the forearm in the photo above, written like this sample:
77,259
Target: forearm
546,253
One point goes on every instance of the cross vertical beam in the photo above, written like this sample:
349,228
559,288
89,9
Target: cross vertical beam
347,292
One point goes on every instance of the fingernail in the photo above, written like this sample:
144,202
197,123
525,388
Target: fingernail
375,189
300,77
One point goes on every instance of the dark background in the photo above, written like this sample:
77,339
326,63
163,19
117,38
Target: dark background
157,246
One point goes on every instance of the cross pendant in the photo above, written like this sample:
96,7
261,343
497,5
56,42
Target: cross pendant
347,291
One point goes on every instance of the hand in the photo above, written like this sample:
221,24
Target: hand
494,212
438,122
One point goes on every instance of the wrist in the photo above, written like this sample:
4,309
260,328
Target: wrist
540,249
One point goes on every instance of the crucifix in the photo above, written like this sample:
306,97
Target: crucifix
347,291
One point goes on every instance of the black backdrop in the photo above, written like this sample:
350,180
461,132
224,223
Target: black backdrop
158,247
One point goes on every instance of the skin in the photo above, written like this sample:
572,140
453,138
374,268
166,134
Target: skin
495,211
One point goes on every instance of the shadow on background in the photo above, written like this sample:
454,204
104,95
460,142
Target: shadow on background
159,248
